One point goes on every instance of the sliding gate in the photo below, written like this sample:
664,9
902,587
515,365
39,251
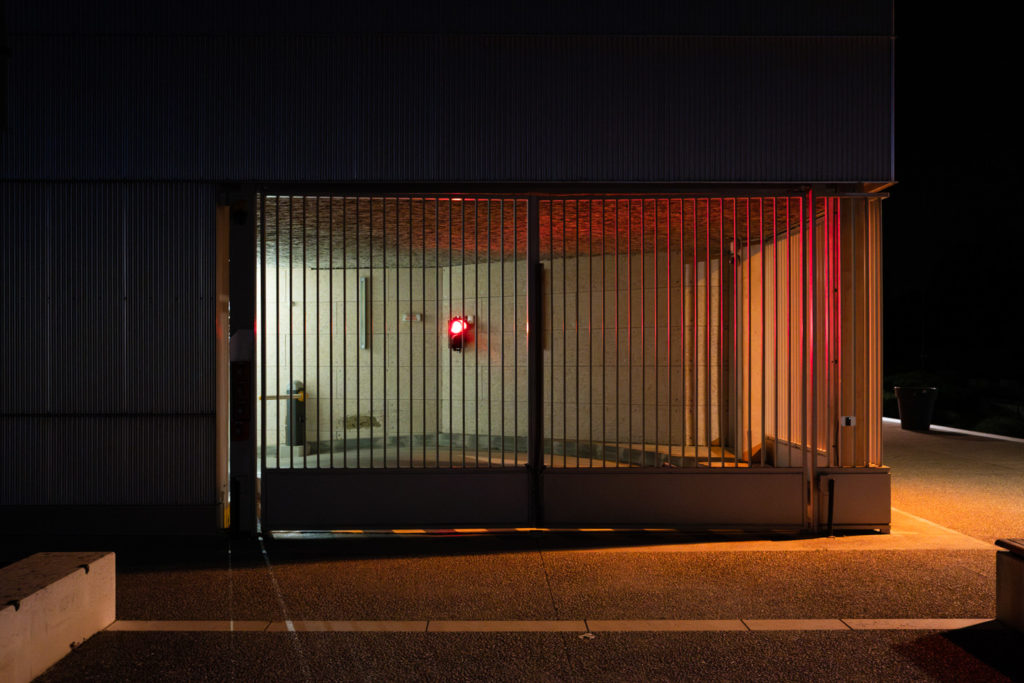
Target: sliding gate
682,361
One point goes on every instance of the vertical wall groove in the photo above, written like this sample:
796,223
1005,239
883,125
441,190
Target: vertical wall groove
107,361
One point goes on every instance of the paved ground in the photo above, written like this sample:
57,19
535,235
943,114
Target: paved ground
953,495
964,482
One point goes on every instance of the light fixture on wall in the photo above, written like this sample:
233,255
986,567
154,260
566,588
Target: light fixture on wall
458,330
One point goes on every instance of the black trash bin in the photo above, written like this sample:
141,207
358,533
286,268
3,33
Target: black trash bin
916,406
295,420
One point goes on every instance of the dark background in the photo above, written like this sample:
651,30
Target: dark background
953,245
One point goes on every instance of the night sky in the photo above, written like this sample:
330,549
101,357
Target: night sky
953,240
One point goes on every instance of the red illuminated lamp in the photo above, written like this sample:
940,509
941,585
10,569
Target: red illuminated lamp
458,327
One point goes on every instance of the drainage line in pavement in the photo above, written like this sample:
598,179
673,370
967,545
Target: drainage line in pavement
831,502
231,590
554,605
231,612
284,609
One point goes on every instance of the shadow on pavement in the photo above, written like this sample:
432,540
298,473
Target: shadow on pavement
208,551
983,650
141,553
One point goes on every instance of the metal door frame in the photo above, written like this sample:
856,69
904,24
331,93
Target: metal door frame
535,495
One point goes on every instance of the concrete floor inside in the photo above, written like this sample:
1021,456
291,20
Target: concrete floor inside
453,455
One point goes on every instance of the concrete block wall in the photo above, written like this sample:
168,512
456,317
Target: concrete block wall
484,388
768,362
621,360
386,389
626,351
772,365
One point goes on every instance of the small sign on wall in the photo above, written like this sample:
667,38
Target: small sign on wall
363,312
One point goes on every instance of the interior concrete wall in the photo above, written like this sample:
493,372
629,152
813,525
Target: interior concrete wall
619,364
769,353
386,389
772,365
484,388
631,354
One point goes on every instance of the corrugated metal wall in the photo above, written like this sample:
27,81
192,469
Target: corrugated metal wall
107,352
450,108
525,17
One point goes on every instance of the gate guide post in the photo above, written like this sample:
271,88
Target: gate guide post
534,340
242,322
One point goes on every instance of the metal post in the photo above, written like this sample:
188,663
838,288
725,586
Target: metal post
731,409
490,329
535,394
695,370
811,339
330,328
385,331
501,316
682,330
242,321
316,346
604,337
629,328
223,359
707,325
305,327
776,288
565,347
462,311
360,326
764,352
643,338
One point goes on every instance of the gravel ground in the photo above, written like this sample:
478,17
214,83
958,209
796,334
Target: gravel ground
966,483
971,485
566,585
785,656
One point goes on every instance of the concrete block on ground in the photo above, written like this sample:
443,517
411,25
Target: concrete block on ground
49,604
1010,589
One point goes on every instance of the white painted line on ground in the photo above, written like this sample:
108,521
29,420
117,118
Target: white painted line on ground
912,624
453,626
551,625
666,625
956,430
352,626
796,625
931,523
193,625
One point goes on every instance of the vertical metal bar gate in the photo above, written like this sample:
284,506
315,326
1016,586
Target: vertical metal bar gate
686,364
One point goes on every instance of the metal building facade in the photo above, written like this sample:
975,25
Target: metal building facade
451,108
106,352
123,126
